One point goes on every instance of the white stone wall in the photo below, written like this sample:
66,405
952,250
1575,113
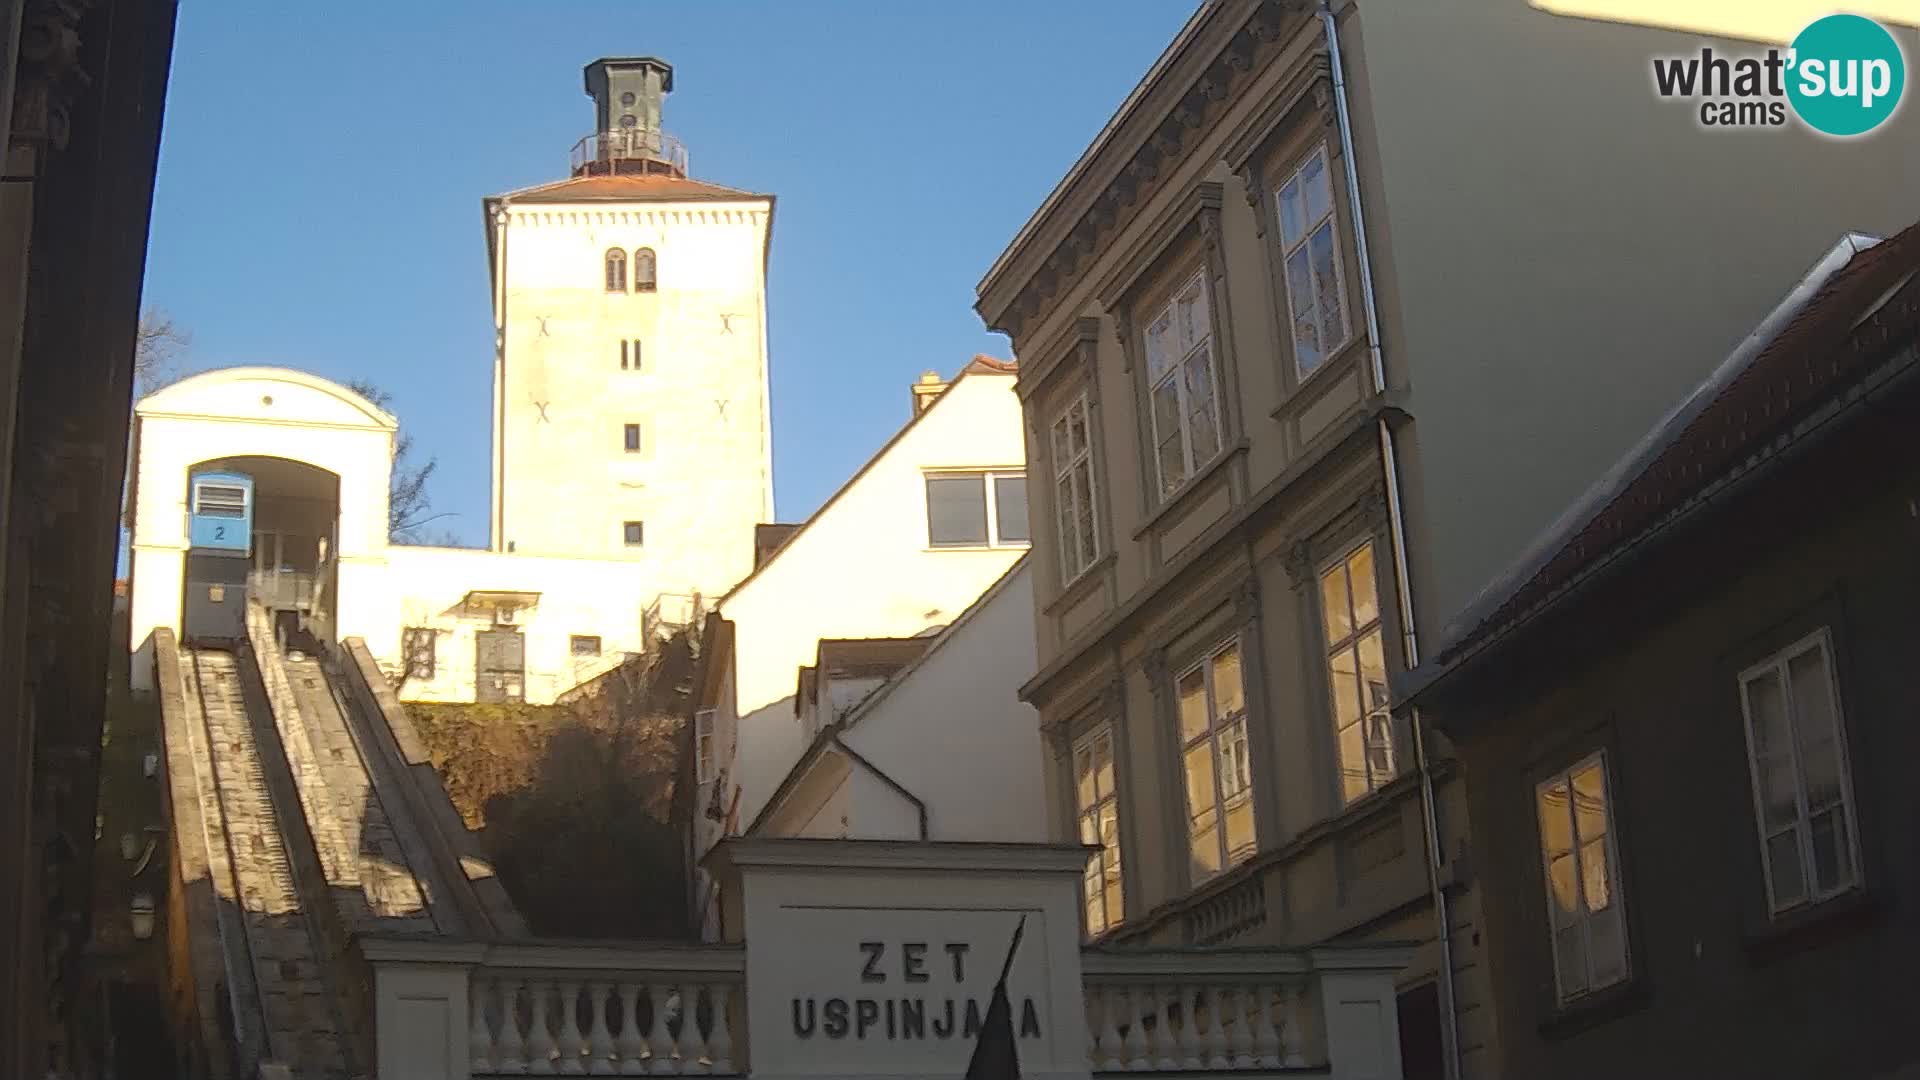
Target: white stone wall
861,568
565,483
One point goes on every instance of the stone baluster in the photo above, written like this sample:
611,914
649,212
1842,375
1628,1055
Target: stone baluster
1293,1041
633,1041
540,1049
479,1038
1099,1041
1266,1039
1136,1051
510,1052
570,1042
659,1038
720,1043
1219,1008
599,1034
1241,1052
1192,1045
1165,1039
693,1047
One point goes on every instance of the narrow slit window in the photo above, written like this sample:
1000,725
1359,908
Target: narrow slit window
634,533
631,437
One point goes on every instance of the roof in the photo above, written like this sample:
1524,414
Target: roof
1799,356
979,365
183,397
628,187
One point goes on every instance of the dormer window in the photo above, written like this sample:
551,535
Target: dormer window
643,270
617,270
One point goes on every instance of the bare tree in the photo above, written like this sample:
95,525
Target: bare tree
156,352
408,505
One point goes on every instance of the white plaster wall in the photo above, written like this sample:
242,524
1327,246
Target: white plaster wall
426,587
953,731
861,568
238,412
703,478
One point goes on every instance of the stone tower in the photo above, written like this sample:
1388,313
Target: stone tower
630,371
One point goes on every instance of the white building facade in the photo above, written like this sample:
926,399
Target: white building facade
902,549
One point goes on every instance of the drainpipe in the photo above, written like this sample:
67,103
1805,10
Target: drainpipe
1397,526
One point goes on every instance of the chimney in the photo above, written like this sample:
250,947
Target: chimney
929,387
627,94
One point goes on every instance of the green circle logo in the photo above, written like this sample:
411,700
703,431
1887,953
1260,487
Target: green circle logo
1847,75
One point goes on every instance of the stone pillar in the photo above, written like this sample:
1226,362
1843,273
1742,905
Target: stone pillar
421,1022
866,958
1359,1014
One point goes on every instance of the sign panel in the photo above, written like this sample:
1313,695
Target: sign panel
898,991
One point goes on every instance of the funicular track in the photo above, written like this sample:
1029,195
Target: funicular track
284,1008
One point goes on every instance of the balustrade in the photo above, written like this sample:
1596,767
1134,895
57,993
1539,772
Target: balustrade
540,1024
1198,1010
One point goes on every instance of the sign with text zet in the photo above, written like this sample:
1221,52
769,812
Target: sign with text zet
903,991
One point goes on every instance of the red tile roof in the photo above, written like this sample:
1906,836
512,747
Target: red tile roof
656,187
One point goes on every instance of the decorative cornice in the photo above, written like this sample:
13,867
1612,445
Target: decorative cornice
1121,200
50,73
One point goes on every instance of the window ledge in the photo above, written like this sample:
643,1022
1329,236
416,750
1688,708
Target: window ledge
1591,1010
1185,493
1814,924
1345,360
1083,583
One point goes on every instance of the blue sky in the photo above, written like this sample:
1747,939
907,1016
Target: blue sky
321,171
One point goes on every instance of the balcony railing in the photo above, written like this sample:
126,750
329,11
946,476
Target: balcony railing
628,150
282,590
678,1010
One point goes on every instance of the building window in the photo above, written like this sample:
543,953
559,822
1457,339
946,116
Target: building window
584,644
1181,376
630,354
631,438
1073,489
616,270
644,270
1583,879
1309,242
977,509
703,744
1357,674
635,533
1097,808
416,646
1802,791
1213,753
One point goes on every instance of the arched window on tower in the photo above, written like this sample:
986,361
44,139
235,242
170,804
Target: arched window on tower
643,270
617,270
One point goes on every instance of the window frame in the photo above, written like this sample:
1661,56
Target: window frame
1350,644
991,494
1616,886
1175,373
644,258
1112,878
1183,745
704,763
1778,663
630,354
574,650
631,528
1079,551
630,438
613,265
1286,249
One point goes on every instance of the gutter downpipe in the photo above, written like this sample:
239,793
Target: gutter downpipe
1396,517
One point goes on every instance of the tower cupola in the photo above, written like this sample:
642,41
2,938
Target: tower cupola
627,95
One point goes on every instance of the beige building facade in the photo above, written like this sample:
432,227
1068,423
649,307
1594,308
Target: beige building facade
1339,309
